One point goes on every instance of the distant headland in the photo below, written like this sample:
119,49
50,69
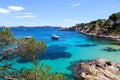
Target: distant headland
109,28
29,26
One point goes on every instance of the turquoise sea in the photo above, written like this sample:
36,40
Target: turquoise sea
71,47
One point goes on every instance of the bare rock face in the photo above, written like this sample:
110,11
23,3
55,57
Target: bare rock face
98,69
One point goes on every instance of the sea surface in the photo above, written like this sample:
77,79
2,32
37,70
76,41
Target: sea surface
70,48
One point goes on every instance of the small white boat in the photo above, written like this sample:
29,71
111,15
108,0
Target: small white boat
54,37
27,37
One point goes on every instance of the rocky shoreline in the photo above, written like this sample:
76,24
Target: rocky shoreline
108,36
106,28
97,69
86,32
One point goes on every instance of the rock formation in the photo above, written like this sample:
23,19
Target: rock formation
98,69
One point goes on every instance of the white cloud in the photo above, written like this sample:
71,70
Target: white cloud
4,11
12,8
76,4
16,8
27,13
26,16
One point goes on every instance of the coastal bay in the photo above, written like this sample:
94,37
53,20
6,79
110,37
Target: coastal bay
71,46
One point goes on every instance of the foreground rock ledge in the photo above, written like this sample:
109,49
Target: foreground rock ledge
98,69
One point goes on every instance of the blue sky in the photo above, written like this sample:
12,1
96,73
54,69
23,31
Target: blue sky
62,13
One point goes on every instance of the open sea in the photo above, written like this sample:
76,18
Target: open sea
71,47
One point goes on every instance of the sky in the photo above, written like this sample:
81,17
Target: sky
63,13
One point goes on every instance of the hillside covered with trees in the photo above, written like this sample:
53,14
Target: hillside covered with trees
101,27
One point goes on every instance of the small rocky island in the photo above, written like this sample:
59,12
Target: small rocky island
97,69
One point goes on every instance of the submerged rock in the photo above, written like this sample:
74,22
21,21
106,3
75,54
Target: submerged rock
98,69
109,49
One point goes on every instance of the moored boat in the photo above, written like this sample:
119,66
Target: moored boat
27,37
54,37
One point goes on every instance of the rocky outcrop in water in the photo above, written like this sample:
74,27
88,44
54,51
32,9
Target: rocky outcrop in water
98,69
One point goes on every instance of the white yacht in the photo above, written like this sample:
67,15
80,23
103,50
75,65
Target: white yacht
54,37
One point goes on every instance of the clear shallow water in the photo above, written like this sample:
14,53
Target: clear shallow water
71,47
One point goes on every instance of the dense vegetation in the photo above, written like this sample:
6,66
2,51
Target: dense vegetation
29,49
100,26
6,37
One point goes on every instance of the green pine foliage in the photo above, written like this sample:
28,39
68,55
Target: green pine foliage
28,49
115,16
6,37
40,73
111,25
